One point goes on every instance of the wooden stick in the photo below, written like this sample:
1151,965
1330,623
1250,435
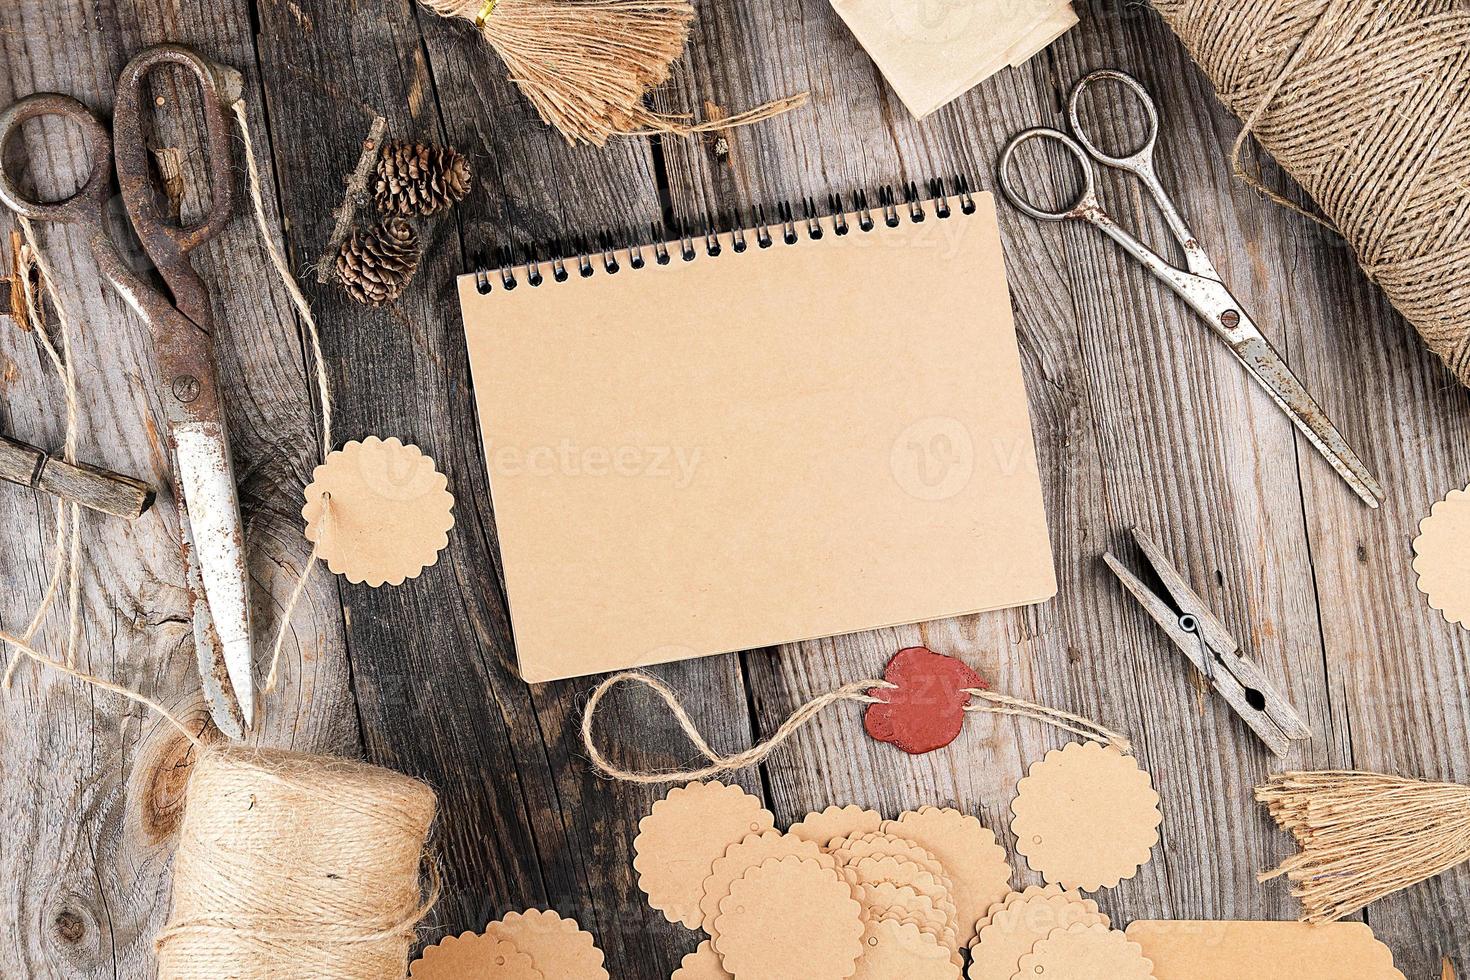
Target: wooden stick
355,198
90,486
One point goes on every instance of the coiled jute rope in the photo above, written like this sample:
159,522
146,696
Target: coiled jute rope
1366,103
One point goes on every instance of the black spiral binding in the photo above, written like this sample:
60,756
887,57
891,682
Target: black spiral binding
582,258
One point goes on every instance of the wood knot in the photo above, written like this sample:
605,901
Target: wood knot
71,927
168,769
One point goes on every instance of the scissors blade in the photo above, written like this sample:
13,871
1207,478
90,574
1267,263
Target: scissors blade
1262,361
214,674
207,485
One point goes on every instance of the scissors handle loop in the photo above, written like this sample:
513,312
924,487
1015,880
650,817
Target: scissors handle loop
89,200
1141,159
1086,197
217,85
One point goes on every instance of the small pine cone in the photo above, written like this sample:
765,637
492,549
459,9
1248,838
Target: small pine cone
420,179
376,263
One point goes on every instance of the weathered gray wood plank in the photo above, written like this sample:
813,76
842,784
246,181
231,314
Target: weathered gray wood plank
90,785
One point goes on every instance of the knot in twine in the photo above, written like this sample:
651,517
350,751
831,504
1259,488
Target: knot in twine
1366,103
862,692
296,865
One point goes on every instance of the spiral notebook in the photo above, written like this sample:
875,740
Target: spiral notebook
748,438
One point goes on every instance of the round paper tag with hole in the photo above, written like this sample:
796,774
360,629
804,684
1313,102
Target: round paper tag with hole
1086,952
977,867
471,956
749,853
790,917
1013,931
1086,816
1442,557
559,947
893,950
386,515
682,837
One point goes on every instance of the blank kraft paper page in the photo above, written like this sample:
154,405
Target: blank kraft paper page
758,447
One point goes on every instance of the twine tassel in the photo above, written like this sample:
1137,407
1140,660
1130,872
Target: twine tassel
586,65
1364,835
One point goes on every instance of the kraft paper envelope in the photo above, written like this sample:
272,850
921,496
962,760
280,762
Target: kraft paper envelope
758,447
933,51
1263,951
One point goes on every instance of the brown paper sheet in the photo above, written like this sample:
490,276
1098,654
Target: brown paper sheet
1263,950
931,53
759,447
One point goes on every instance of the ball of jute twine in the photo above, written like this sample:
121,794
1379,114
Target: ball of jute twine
295,865
1366,103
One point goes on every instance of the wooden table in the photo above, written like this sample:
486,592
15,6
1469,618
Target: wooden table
1140,417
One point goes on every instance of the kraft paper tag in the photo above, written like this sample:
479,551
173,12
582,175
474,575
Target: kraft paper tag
901,903
472,956
880,843
1028,892
1442,560
1086,816
836,821
790,917
875,870
1083,952
1263,950
749,853
389,512
702,964
1015,930
977,866
682,837
559,947
892,950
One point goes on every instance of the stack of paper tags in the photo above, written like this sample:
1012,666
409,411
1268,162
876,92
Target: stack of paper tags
1046,931
530,945
933,52
842,894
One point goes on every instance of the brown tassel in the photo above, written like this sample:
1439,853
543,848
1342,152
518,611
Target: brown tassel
1364,835
587,64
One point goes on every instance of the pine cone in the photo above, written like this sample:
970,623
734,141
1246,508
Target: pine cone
420,179
375,263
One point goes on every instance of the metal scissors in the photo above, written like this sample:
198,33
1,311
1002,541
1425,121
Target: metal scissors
183,338
1206,641
1198,284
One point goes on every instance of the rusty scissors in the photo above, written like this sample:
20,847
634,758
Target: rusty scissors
183,337
1198,284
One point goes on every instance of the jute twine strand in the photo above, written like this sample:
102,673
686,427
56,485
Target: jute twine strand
857,691
586,65
1364,835
1002,704
287,864
1366,103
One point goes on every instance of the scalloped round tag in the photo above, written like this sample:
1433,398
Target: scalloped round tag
1086,816
388,514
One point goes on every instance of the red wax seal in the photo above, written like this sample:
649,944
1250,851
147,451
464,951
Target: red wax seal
927,709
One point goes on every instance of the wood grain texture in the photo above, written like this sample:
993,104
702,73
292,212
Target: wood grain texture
1140,417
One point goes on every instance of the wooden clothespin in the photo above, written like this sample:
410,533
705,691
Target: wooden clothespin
1206,641
93,488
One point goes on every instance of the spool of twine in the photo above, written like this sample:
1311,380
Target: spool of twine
1366,103
292,865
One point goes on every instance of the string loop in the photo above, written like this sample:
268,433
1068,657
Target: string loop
857,691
